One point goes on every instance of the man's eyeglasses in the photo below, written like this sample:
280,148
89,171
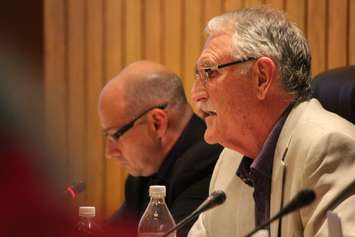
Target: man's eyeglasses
119,132
206,73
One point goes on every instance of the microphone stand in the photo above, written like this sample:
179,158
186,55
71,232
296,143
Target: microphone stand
303,198
182,223
215,199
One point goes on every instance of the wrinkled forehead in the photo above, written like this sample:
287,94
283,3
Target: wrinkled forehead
218,47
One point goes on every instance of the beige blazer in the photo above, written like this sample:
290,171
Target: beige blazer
316,150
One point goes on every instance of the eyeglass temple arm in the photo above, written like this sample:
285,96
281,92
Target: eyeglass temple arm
234,62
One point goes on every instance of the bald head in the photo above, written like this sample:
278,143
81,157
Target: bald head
141,85
141,69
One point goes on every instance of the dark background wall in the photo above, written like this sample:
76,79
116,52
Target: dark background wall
21,29
21,57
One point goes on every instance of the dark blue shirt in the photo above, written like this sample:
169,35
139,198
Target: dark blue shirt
257,172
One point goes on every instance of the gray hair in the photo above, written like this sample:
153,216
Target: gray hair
263,31
153,90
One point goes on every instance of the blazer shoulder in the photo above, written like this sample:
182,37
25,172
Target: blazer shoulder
196,164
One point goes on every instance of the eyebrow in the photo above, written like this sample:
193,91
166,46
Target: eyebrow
207,63
106,131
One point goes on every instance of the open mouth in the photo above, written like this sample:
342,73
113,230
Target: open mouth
207,110
208,113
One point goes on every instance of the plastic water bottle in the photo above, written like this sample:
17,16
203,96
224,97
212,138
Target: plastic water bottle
87,224
156,219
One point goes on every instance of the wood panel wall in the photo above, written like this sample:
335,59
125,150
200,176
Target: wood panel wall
87,42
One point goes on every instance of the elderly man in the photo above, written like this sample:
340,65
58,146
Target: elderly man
253,87
153,133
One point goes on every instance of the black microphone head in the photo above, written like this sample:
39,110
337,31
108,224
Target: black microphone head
73,190
306,196
79,187
218,197
303,198
214,199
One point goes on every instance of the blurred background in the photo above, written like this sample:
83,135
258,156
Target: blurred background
62,52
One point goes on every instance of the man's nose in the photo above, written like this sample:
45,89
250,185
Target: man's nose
111,149
199,95
198,92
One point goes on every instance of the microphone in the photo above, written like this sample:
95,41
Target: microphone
73,190
215,199
303,198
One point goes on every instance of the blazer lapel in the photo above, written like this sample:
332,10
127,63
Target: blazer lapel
277,186
279,172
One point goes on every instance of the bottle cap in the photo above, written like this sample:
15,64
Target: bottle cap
87,211
157,191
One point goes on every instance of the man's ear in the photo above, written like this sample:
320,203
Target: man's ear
158,122
265,71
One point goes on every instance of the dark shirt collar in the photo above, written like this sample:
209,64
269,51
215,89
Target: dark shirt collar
186,139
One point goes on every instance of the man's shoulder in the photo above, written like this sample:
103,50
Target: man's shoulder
195,165
310,119
197,158
129,211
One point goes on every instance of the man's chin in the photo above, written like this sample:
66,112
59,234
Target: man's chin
132,172
210,137
136,173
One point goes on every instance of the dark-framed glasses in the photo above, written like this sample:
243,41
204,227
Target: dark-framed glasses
207,73
120,131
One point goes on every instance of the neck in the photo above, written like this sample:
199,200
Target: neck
270,114
273,116
177,124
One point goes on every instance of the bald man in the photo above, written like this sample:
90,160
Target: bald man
152,132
